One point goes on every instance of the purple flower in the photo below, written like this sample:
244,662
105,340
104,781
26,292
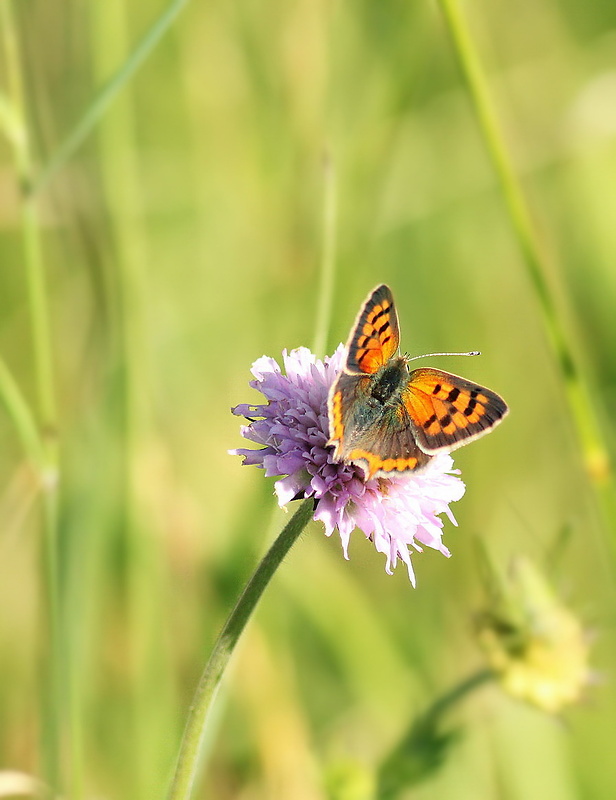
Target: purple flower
293,430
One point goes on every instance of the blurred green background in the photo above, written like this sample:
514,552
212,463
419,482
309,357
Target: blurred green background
182,241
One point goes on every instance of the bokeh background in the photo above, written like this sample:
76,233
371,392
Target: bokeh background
184,239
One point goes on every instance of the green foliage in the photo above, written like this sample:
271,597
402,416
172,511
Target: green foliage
180,237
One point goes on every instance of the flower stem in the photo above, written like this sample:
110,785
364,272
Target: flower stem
584,415
187,767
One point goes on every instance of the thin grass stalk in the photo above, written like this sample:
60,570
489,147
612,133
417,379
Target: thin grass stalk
191,749
22,417
325,293
55,735
584,415
42,442
105,96
121,171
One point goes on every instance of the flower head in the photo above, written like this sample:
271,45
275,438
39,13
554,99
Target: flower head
292,428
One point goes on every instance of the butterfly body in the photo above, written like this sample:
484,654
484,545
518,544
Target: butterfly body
387,384
389,419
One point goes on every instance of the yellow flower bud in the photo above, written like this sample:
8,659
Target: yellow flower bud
537,646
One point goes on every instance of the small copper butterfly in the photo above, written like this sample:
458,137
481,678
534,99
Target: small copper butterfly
388,419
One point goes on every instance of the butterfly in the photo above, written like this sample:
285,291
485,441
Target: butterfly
387,418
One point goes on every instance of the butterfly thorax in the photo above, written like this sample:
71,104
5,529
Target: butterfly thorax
388,382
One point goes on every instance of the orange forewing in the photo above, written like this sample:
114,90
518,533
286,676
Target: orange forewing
375,336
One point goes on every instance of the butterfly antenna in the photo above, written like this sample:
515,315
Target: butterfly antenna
429,355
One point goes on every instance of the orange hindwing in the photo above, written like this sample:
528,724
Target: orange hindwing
448,411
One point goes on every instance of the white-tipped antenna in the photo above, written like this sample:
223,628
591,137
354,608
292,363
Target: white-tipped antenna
429,355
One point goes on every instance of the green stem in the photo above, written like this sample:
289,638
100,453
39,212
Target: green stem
326,278
22,417
54,700
187,768
35,273
423,747
455,695
118,143
106,95
583,413
41,443
39,314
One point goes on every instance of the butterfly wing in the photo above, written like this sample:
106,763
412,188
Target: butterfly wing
375,336
448,411
377,438
436,411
